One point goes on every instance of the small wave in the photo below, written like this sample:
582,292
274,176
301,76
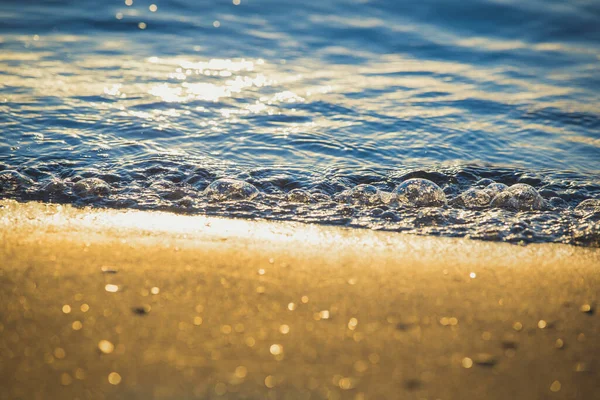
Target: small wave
480,203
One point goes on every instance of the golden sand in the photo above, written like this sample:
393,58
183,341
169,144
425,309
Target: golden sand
146,305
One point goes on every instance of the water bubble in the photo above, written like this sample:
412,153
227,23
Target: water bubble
520,197
431,217
230,189
390,216
13,180
168,190
450,190
589,205
360,194
54,186
420,192
298,196
484,182
91,187
320,197
557,202
473,199
494,189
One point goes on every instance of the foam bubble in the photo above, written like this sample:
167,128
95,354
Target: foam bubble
589,205
54,186
473,199
298,196
479,198
420,192
520,197
91,187
168,190
320,197
12,180
557,203
431,217
230,189
335,198
494,189
360,194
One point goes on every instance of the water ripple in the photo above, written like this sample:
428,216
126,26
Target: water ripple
308,102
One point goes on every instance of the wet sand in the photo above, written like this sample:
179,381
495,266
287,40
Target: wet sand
147,305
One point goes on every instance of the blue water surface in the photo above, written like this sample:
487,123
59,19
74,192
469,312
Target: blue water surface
160,98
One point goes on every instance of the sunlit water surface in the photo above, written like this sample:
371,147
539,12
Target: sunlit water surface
305,101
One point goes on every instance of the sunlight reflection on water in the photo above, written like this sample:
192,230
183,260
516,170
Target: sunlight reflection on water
374,88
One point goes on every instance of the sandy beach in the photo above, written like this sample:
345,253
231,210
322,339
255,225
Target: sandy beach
109,304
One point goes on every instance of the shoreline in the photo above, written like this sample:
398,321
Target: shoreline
207,307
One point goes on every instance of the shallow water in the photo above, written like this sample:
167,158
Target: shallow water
305,101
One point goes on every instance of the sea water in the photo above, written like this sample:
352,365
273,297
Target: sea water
466,118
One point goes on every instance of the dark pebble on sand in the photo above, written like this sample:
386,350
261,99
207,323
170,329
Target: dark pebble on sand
142,310
509,344
485,360
413,384
404,326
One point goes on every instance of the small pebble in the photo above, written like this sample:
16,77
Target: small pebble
65,379
142,310
111,288
587,309
581,367
509,344
413,384
276,349
467,362
517,326
485,360
114,378
270,382
106,347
